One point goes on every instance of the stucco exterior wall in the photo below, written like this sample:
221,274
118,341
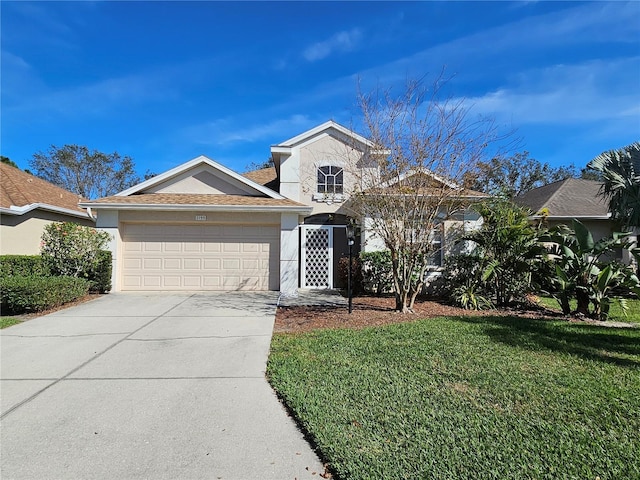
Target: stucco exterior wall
326,150
201,180
21,234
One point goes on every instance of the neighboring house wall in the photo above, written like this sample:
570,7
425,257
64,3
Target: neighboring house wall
599,229
21,234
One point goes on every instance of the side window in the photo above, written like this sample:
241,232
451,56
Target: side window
330,179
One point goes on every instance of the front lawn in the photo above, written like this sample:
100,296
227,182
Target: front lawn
615,314
467,397
8,321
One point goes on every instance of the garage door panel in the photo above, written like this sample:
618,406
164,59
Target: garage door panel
231,264
171,247
152,281
251,264
212,264
192,281
192,263
192,247
212,247
200,257
152,264
169,264
213,282
131,281
132,263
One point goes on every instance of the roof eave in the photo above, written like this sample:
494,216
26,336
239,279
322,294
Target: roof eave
202,207
13,210
320,128
571,217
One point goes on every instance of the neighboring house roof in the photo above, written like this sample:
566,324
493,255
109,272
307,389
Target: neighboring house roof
265,176
182,201
436,182
21,192
569,198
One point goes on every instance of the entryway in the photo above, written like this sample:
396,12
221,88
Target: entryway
323,242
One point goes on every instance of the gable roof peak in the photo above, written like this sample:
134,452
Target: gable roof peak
199,160
328,125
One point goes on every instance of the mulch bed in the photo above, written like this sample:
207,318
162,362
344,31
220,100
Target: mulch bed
377,311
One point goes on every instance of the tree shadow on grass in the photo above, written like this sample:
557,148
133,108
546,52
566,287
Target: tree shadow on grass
592,342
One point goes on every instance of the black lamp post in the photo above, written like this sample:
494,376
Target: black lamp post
351,238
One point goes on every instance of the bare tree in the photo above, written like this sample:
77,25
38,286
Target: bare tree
412,178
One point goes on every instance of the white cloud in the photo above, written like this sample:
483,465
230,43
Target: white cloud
345,41
567,94
473,54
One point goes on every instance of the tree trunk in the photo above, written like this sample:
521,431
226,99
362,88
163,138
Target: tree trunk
583,302
564,304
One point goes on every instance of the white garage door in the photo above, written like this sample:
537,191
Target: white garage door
200,257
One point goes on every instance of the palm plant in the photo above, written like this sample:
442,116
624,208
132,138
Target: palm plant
620,171
580,271
508,248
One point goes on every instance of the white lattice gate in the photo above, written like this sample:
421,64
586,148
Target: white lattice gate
317,256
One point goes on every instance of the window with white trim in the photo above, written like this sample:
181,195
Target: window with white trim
436,244
330,180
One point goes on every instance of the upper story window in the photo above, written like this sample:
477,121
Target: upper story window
330,179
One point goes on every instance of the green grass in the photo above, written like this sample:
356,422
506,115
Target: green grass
461,398
615,314
8,321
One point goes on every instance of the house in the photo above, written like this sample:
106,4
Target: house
202,226
27,204
561,202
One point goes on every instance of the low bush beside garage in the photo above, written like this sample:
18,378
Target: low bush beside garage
72,264
29,294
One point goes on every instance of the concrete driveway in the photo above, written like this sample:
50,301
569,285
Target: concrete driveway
141,385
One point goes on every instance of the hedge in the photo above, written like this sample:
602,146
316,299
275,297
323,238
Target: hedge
27,294
35,265
23,265
100,277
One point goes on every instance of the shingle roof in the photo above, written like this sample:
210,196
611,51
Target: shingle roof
572,197
19,189
265,176
201,199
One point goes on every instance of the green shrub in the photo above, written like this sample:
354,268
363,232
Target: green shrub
26,294
462,284
508,250
100,275
356,274
376,271
72,250
23,265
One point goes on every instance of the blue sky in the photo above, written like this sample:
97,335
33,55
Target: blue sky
164,82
